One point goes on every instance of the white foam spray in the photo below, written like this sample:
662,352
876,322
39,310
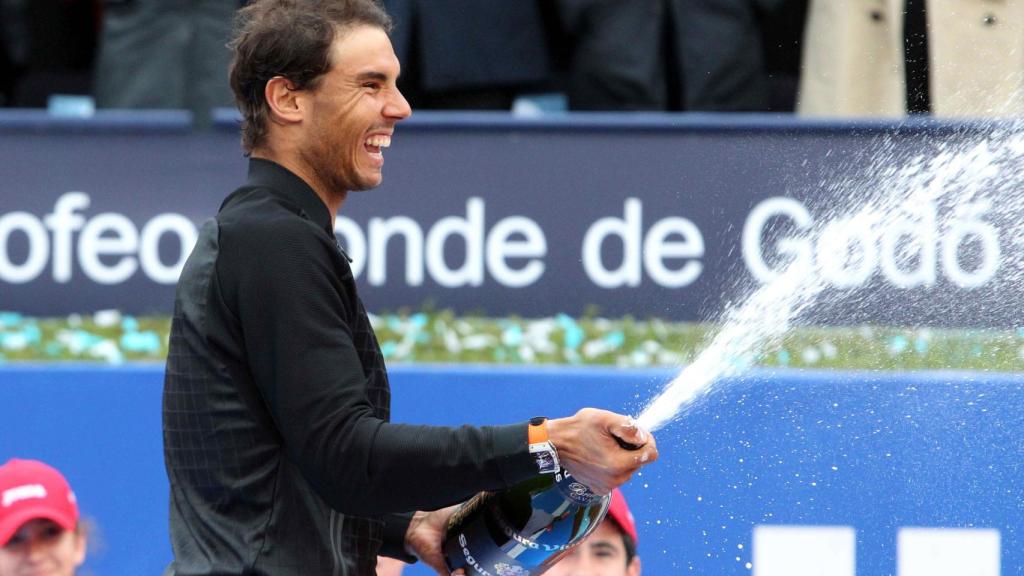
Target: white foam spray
966,190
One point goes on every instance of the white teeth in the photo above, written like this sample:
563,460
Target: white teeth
379,141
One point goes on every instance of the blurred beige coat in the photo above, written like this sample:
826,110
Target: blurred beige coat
853,58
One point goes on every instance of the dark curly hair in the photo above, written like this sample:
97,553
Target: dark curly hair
289,38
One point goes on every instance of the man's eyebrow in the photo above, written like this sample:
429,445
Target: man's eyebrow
602,545
372,75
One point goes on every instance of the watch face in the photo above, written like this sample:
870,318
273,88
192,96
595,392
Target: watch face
545,456
544,461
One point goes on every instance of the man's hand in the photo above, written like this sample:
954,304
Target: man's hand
425,537
588,450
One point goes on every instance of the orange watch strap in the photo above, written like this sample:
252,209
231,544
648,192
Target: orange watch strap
538,432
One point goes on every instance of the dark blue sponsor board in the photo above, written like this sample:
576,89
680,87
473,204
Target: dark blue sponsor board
649,215
871,469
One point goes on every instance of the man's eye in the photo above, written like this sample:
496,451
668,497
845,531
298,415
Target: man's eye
372,86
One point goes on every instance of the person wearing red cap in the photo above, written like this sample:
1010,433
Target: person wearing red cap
40,534
608,551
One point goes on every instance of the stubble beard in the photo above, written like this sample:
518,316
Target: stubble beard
331,171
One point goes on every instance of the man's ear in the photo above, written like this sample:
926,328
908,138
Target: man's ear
81,542
634,567
284,100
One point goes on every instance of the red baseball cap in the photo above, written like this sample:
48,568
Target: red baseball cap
618,511
30,490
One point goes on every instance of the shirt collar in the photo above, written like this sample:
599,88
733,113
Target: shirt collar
267,174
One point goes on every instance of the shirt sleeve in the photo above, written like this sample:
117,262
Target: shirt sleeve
395,527
295,322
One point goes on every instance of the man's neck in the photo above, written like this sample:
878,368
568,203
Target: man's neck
332,200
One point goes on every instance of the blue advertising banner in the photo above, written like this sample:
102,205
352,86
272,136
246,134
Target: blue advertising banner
659,215
775,473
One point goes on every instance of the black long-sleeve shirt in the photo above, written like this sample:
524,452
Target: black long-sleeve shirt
278,449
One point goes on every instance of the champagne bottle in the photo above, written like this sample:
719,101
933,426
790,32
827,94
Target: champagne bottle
523,530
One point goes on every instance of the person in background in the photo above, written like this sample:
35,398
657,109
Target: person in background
40,531
735,55
165,55
13,48
46,49
608,551
615,54
679,55
898,57
469,54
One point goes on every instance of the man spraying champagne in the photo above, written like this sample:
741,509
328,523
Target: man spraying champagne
277,440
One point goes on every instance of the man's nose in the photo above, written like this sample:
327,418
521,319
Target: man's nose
581,567
35,549
397,106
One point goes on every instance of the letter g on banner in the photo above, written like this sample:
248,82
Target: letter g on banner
753,236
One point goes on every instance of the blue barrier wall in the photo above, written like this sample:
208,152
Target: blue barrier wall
635,214
875,452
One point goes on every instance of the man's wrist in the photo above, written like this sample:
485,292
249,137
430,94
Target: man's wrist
541,448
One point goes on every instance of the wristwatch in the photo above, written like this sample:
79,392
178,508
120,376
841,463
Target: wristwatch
542,450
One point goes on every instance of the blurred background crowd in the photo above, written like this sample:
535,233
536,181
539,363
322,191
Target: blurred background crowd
815,57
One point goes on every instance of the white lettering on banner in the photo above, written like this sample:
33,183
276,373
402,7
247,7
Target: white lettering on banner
780,550
971,225
380,231
96,241
38,247
502,246
63,222
657,247
908,236
511,237
849,252
846,252
109,248
753,230
947,552
910,252
628,230
149,249
804,550
471,229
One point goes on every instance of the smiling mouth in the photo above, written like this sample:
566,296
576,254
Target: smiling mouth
376,144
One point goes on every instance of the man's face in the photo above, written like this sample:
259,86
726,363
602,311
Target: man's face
354,110
42,548
603,553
